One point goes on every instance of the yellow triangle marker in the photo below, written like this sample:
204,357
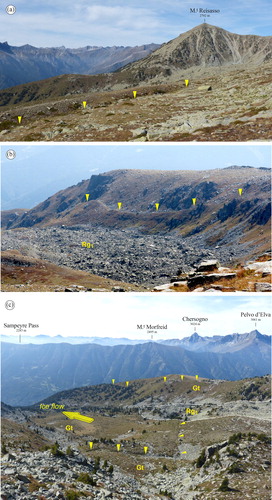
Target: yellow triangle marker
196,377
19,119
127,383
145,449
87,196
182,377
186,83
157,206
194,201
84,103
183,452
181,435
113,380
119,205
182,423
118,446
134,93
240,191
91,444
164,378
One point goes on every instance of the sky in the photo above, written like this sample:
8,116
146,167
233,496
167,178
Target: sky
117,315
39,171
119,22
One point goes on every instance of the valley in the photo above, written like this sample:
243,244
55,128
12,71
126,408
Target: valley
143,230
32,372
49,455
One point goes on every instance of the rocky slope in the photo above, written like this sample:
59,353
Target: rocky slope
215,192
42,458
203,46
228,97
137,243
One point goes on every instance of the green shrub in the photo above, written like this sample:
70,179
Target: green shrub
69,452
265,439
224,485
72,495
85,478
4,448
201,459
56,451
235,438
235,468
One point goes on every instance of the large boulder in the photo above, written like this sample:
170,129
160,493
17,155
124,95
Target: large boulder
260,267
262,287
202,279
205,87
208,265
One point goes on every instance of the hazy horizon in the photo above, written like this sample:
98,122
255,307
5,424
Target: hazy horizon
66,314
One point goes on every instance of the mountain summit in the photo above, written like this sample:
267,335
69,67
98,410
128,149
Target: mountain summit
203,46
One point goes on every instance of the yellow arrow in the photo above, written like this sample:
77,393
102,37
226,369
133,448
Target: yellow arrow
19,119
182,423
87,196
127,383
84,103
240,191
196,377
113,380
157,206
181,436
184,452
194,201
182,377
118,446
91,444
75,415
186,83
145,449
119,205
164,378
134,93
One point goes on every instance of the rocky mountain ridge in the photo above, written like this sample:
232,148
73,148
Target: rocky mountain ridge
19,65
193,342
96,200
203,46
26,367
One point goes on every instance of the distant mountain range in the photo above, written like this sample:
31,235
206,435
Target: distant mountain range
32,372
27,64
